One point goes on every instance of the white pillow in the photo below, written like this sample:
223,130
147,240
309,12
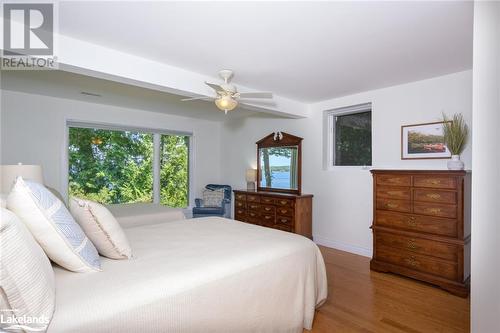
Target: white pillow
101,227
53,226
27,278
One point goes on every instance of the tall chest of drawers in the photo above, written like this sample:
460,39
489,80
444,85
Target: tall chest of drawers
421,226
287,212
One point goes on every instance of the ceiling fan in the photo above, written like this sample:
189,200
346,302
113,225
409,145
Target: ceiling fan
227,96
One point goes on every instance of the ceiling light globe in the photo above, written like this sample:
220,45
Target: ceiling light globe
226,103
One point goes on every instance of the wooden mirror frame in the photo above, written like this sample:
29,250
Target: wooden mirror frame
286,140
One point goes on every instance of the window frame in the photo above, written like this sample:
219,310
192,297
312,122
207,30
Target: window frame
329,137
156,132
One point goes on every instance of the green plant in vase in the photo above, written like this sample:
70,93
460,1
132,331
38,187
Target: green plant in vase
456,136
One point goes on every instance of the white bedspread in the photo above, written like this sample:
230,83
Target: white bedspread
198,275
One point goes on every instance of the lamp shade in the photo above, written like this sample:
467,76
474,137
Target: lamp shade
251,175
9,173
226,103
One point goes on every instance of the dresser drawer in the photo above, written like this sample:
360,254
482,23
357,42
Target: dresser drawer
253,206
267,200
435,209
240,215
394,180
418,245
284,220
283,227
283,202
268,209
418,262
241,197
436,196
286,211
431,225
253,214
394,205
240,204
435,182
253,198
393,192
268,218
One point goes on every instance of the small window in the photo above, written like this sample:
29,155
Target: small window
350,136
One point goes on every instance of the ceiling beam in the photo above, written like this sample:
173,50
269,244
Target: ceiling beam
85,58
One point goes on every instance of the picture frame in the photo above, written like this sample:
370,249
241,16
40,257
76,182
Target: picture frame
423,141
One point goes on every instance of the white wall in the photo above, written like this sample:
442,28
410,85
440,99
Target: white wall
485,290
342,209
33,131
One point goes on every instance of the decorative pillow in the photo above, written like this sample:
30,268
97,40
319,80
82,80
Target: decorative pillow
27,289
213,198
101,227
53,226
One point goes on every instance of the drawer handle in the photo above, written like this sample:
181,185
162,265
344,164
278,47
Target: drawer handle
284,220
267,209
412,221
252,214
412,261
391,205
240,212
283,202
434,181
434,196
284,211
411,245
395,192
267,217
433,210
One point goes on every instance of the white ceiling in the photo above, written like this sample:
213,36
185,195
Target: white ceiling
307,51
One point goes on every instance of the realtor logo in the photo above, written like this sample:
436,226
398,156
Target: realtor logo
28,36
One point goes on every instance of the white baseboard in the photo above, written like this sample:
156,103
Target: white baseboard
343,246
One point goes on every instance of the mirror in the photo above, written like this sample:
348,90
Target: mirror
279,163
279,167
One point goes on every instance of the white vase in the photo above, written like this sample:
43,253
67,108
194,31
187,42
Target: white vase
455,163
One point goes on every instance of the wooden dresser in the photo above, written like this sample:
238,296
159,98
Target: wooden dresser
288,212
421,226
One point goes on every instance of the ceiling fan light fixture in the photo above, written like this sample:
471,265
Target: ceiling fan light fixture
226,103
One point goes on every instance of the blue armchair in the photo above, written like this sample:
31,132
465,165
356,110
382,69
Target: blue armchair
223,211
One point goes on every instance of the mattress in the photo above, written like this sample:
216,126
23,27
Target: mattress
137,214
198,275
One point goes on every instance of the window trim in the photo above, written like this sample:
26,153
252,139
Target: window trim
329,137
156,132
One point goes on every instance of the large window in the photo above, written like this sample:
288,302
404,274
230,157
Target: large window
113,166
350,136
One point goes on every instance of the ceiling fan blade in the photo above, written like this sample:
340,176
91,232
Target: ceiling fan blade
256,95
214,86
203,98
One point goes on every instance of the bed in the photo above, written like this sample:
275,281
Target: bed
197,275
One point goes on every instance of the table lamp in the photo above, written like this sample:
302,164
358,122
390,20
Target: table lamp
9,173
251,176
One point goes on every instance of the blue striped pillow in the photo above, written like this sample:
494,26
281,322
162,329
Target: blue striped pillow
56,213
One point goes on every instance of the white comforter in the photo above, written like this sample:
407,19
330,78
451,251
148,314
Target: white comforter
198,275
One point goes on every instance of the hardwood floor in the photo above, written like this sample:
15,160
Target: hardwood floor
360,300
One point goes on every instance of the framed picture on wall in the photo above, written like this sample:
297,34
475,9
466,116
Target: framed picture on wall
423,141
